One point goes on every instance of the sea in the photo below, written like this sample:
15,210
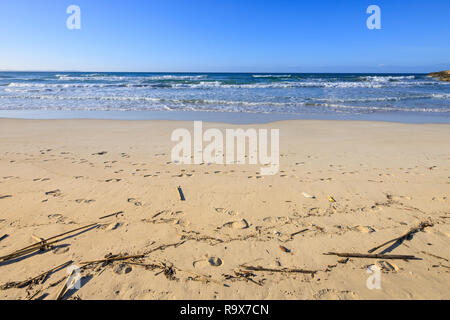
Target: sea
228,97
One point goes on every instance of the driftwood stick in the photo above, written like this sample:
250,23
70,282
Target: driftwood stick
111,215
180,191
371,256
72,231
41,245
37,239
42,276
3,237
114,259
284,270
150,266
65,286
298,232
422,226
19,253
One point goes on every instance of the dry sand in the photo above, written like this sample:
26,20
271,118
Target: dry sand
385,177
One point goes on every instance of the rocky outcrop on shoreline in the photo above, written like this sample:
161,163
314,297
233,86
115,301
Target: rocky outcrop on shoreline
442,75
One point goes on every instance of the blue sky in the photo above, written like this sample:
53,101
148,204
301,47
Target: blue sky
225,36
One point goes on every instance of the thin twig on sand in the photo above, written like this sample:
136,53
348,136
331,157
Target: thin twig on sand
284,270
412,231
35,280
115,258
372,256
111,215
45,244
65,287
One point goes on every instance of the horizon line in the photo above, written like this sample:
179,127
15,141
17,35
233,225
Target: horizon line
217,72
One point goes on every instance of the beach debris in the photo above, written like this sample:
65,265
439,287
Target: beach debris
67,285
388,266
284,249
4,197
43,245
112,258
165,246
54,193
371,256
434,256
101,153
169,270
37,239
298,232
412,231
307,195
201,277
180,191
3,237
331,199
245,276
112,215
35,280
283,270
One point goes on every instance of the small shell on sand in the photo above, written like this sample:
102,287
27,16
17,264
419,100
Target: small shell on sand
307,195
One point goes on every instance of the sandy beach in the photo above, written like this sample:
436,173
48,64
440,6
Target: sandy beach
343,187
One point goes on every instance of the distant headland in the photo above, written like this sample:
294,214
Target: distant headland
442,75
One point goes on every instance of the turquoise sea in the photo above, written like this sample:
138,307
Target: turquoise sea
218,96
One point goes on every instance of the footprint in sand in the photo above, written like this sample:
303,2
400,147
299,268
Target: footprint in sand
84,201
111,226
208,262
122,269
58,218
61,250
226,211
101,153
441,199
363,229
54,193
398,198
242,224
333,294
135,202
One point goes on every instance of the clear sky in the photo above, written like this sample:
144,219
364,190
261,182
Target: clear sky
225,36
